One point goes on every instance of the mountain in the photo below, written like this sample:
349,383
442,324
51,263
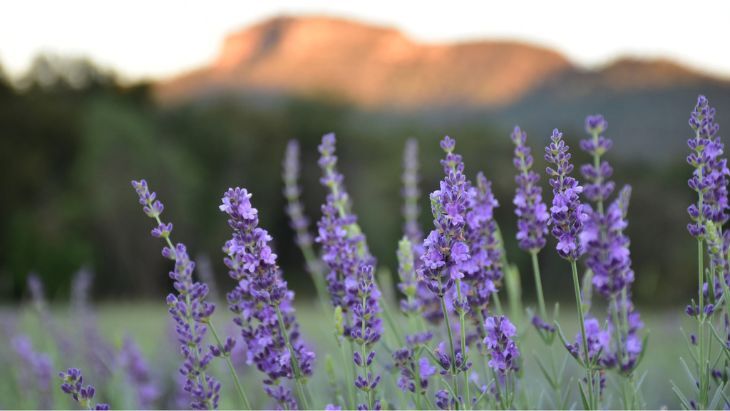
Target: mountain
368,65
500,83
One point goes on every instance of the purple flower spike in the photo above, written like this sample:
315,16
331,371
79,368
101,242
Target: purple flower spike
188,308
531,211
483,270
710,176
411,193
598,186
566,213
83,395
35,371
295,209
445,249
503,352
138,374
261,300
607,247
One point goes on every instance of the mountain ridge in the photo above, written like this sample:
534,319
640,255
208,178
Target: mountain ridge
375,66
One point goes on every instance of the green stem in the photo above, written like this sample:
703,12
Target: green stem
538,284
703,388
231,368
451,345
462,331
299,378
579,304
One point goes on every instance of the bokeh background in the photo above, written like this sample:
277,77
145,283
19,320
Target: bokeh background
78,122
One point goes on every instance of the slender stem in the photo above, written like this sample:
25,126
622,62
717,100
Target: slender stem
231,368
703,388
538,284
301,388
348,374
579,304
451,345
462,331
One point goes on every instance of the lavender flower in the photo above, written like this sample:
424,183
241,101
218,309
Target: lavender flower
445,248
73,386
365,330
607,247
414,374
297,219
444,400
531,211
138,374
344,247
426,302
710,176
598,342
408,284
261,299
598,186
484,269
62,341
98,351
503,352
189,308
411,193
35,371
566,213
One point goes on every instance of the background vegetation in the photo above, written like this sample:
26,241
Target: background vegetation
72,137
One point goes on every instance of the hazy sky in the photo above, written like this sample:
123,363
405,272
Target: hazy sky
158,38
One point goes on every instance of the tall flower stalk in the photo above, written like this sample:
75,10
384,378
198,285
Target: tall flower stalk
445,252
532,221
709,180
353,292
566,220
608,257
262,303
188,308
298,221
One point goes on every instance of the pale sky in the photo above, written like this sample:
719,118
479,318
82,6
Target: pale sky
147,38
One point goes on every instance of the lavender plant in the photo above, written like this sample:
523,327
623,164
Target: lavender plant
708,215
263,303
83,395
298,220
35,371
566,220
350,278
138,375
188,308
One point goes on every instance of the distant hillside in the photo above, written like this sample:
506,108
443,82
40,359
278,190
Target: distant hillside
368,65
381,70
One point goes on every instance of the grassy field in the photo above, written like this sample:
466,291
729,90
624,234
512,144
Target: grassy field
150,326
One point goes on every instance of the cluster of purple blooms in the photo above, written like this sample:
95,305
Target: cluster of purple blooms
261,300
445,248
457,269
710,176
189,308
139,375
73,385
483,271
532,213
566,212
499,339
350,278
36,370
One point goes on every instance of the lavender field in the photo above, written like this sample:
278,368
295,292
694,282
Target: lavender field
447,327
